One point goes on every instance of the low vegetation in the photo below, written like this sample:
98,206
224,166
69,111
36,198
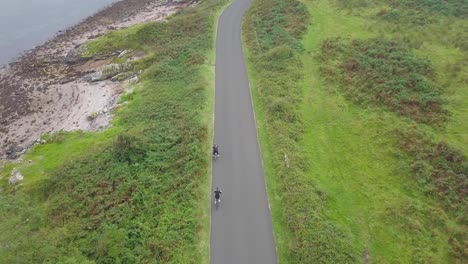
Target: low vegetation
273,31
138,192
360,113
381,72
439,168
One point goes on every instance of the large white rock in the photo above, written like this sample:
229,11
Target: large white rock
15,177
107,72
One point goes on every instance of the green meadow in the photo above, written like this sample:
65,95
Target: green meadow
361,108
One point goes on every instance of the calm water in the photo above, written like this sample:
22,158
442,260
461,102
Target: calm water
27,23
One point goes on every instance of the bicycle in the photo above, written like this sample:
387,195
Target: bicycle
215,152
217,196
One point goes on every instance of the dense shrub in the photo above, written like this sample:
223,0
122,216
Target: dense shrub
417,12
457,8
383,73
274,29
280,22
442,170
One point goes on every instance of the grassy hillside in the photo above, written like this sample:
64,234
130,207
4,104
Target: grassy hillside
138,192
368,104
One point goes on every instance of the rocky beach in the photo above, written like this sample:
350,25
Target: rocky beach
53,87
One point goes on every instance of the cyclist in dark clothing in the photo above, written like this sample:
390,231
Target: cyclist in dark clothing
215,150
217,193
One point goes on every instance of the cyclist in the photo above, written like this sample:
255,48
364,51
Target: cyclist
215,150
217,193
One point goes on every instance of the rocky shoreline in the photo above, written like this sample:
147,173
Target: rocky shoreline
52,88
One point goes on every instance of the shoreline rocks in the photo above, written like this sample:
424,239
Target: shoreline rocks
43,92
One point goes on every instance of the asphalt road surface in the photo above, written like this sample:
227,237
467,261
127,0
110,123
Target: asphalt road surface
241,231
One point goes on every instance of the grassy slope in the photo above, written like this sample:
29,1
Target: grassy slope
153,158
353,153
61,147
352,156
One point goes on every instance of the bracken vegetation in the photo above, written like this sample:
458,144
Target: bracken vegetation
423,9
383,73
421,12
275,25
391,74
134,197
439,168
273,30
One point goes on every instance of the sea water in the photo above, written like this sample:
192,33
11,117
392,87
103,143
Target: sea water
27,23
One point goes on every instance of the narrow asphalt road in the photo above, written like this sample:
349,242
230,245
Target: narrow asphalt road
241,231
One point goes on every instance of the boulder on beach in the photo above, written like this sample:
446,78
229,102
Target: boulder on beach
74,56
15,177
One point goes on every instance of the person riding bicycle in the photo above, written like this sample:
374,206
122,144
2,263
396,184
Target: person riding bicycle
215,150
217,193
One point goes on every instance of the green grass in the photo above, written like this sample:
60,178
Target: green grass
60,147
353,155
138,192
302,233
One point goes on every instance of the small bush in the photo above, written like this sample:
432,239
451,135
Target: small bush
129,148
